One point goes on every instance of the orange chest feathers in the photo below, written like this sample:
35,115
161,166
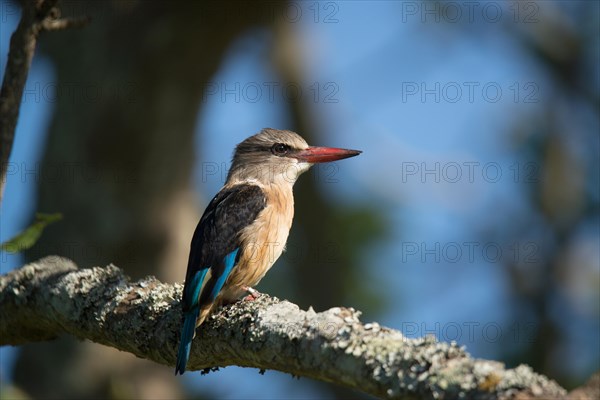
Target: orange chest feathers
264,240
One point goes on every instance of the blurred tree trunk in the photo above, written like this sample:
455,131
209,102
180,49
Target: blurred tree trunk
558,192
118,161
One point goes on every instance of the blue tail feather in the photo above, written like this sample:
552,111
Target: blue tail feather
185,343
192,295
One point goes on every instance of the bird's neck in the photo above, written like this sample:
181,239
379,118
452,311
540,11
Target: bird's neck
271,181
282,186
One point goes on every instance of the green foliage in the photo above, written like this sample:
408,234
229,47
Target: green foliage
27,238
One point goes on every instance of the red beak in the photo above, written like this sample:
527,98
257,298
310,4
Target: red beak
324,154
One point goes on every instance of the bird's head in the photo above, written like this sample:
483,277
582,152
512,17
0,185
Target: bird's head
278,156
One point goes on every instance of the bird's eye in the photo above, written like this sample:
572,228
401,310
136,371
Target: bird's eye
280,149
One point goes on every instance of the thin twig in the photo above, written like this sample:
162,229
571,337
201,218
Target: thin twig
37,16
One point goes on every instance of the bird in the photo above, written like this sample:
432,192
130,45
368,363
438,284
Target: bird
244,228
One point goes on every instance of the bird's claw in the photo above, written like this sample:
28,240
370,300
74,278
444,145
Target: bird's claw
253,294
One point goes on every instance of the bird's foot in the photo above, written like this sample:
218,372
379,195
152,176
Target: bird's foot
253,294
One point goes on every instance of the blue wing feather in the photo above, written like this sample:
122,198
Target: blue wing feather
229,264
192,292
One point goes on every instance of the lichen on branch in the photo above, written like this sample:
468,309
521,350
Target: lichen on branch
51,297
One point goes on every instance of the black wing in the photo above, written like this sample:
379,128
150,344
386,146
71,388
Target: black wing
217,235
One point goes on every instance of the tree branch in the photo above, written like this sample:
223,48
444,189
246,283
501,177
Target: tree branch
45,299
36,16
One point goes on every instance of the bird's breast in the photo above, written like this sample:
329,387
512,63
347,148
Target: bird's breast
263,241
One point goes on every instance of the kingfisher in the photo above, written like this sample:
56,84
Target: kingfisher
244,229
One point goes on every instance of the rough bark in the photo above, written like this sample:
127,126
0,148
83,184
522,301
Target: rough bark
52,297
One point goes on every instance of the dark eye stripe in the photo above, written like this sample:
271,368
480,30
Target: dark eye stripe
280,149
